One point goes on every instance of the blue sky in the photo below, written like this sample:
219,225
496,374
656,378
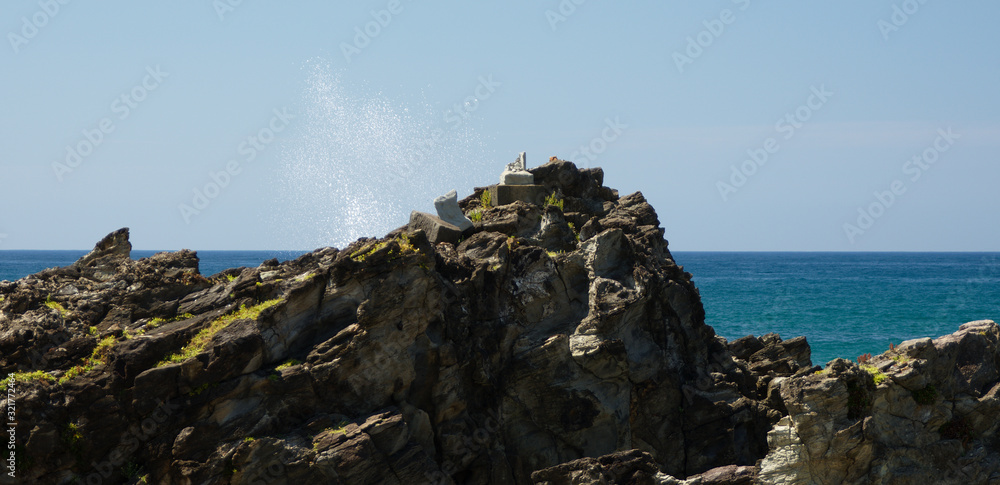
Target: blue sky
748,125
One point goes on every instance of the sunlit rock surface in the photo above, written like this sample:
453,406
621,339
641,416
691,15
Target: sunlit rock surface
556,344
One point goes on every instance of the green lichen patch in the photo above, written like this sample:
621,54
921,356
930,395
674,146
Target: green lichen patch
201,340
38,375
878,376
403,242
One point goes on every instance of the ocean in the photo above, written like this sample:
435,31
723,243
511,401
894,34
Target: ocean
846,304
18,264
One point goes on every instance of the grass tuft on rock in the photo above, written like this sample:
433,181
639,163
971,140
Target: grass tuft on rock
156,322
38,375
878,376
403,240
201,340
49,302
555,200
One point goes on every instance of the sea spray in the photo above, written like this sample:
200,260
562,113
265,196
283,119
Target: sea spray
363,161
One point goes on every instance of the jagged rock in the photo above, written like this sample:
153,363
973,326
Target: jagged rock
554,233
520,351
923,413
114,248
630,467
635,468
102,262
725,475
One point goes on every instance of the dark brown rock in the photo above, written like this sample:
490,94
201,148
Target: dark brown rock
522,353
631,467
108,252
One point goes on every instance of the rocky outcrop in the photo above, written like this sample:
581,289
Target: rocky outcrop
924,412
635,468
556,344
108,253
53,318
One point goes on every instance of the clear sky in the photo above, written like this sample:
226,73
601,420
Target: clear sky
857,125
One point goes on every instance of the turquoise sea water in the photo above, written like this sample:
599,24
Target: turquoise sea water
846,304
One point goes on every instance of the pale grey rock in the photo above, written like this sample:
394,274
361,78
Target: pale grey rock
449,211
930,418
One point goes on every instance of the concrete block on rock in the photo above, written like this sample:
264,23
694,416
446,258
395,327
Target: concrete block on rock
437,229
449,211
517,173
517,178
507,194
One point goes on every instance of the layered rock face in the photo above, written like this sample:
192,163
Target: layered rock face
556,344
925,412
